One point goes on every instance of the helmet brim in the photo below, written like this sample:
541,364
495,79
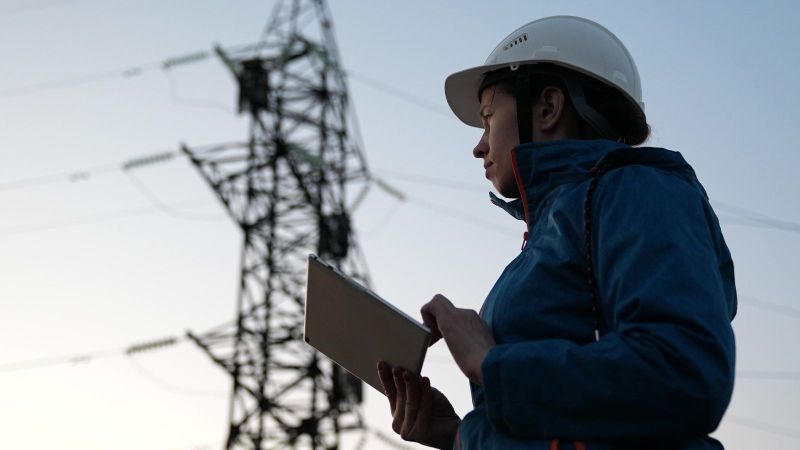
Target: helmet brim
461,92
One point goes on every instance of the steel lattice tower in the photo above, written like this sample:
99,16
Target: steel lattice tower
287,188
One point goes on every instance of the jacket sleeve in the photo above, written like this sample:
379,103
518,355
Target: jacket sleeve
664,365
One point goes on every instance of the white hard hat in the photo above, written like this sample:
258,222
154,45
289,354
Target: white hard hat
570,42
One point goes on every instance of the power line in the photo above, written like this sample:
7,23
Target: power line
763,426
94,218
463,217
147,346
785,310
185,59
42,180
129,351
446,211
398,93
57,361
381,225
193,103
160,157
10,10
771,224
167,209
95,77
168,155
743,216
768,375
150,159
172,209
80,80
164,156
159,344
431,181
748,217
169,387
86,357
86,174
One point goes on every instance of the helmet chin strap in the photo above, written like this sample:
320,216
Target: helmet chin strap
587,113
522,90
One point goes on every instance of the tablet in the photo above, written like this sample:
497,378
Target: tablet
355,328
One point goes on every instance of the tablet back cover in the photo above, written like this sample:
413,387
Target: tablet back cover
355,328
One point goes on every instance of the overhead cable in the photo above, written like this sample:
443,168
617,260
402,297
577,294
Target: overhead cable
735,215
768,375
98,217
81,358
168,209
85,174
763,426
169,387
150,159
94,77
431,181
9,10
398,93
784,310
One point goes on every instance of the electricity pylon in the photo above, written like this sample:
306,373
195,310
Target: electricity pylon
287,189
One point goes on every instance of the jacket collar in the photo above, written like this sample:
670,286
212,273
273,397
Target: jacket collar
541,166
534,163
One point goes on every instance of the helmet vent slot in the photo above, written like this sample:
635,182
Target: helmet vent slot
517,40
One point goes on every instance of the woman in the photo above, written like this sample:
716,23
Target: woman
611,329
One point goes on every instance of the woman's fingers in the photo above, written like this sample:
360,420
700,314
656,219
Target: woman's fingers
400,405
420,413
467,336
385,374
410,398
425,402
412,404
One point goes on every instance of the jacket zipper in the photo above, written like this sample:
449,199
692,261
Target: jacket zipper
522,197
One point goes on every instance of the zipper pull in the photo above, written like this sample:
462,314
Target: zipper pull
524,241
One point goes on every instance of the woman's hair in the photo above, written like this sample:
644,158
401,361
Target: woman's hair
627,120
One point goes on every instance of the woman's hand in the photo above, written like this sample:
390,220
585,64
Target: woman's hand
421,413
465,333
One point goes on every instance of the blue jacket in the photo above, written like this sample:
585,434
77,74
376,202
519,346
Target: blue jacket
661,375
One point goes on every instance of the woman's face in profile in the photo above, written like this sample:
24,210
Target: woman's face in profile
500,136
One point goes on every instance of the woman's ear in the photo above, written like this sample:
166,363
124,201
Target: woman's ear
549,109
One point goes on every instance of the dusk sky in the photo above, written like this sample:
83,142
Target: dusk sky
116,258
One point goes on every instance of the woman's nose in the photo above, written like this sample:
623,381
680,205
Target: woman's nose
481,149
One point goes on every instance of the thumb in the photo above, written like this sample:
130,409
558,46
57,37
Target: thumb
432,312
429,319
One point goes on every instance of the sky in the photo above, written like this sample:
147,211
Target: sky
120,258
